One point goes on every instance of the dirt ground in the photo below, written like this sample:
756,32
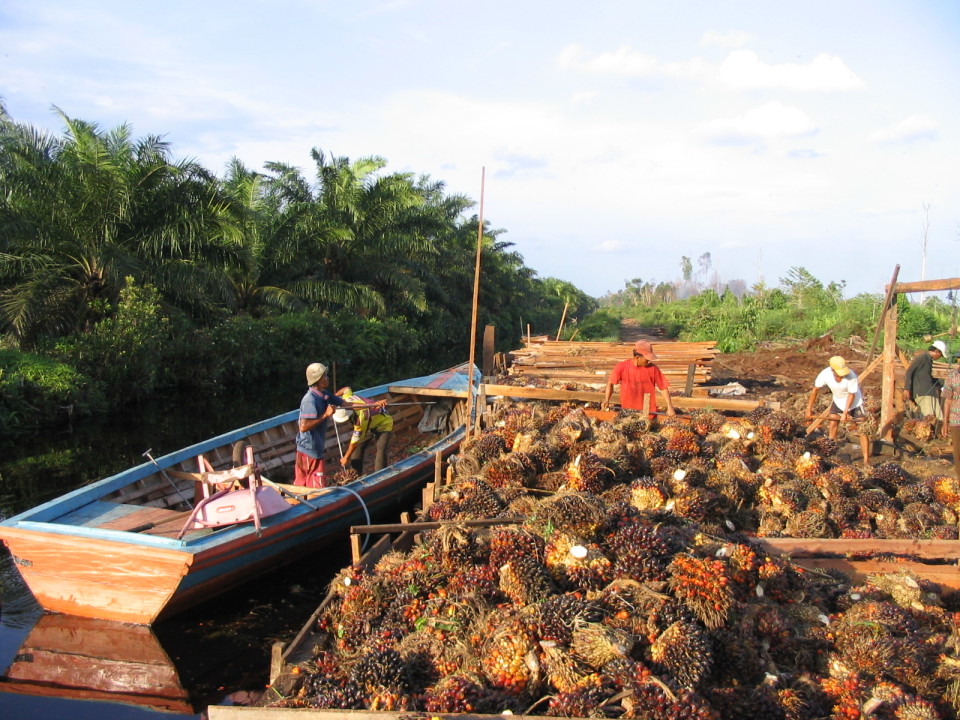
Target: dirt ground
785,371
781,369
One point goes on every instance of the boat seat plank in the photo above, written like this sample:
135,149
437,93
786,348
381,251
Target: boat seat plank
147,516
95,513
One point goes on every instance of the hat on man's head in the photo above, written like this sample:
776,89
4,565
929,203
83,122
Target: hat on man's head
341,415
643,347
839,366
315,371
941,346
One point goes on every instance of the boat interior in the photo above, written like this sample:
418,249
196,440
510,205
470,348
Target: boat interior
164,503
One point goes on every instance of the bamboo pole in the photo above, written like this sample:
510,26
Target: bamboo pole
473,317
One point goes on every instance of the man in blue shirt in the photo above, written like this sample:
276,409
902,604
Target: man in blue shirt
316,406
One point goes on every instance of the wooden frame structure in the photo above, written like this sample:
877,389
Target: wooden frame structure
889,322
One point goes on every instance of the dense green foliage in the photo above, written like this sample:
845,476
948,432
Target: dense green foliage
140,274
801,307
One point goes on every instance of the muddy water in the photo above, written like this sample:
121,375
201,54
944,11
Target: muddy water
210,654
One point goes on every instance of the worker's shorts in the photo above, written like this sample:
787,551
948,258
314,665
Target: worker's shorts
308,471
855,413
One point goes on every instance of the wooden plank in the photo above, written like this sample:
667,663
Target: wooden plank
597,397
808,547
422,526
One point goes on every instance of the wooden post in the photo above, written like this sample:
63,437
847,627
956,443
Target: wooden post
888,381
646,405
476,296
481,405
691,370
355,552
891,288
489,334
563,318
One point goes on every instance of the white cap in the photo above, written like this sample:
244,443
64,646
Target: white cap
941,346
315,371
341,415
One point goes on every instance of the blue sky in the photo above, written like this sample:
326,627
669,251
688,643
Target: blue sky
616,136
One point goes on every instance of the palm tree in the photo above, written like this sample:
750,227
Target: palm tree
80,213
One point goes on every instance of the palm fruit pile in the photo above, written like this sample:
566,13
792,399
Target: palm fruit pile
627,581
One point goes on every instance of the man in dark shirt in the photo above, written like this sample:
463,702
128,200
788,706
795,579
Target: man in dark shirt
920,386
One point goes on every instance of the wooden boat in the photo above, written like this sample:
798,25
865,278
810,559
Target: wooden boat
89,659
136,547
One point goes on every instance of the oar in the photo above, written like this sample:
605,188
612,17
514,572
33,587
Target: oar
164,473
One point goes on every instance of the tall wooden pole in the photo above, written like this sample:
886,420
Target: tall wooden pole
563,318
891,289
476,298
888,381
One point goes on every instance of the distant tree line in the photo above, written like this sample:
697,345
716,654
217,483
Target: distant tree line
738,318
125,272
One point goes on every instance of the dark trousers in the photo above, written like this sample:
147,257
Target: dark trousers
955,443
382,442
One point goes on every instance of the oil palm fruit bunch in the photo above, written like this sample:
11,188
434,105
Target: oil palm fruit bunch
524,579
477,499
683,652
705,422
588,473
647,493
641,552
703,585
459,693
945,490
809,465
597,644
575,563
578,513
508,657
510,542
507,471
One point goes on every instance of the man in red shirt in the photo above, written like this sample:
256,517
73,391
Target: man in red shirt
638,378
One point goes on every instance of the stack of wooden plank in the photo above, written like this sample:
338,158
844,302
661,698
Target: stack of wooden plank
590,363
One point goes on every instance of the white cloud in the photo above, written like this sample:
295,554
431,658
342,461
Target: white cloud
744,70
908,130
741,70
730,39
769,121
610,246
623,61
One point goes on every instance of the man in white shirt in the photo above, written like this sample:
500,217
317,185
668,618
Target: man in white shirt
847,404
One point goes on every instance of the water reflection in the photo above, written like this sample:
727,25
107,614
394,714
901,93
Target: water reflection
71,658
59,666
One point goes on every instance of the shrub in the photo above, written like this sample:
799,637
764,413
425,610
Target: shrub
36,390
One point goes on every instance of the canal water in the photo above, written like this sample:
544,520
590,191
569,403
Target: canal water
57,667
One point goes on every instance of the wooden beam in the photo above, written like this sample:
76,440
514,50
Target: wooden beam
421,526
928,285
597,397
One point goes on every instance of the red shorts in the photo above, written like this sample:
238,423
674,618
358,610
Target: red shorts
308,472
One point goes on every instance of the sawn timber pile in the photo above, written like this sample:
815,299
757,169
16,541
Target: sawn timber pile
628,581
590,363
